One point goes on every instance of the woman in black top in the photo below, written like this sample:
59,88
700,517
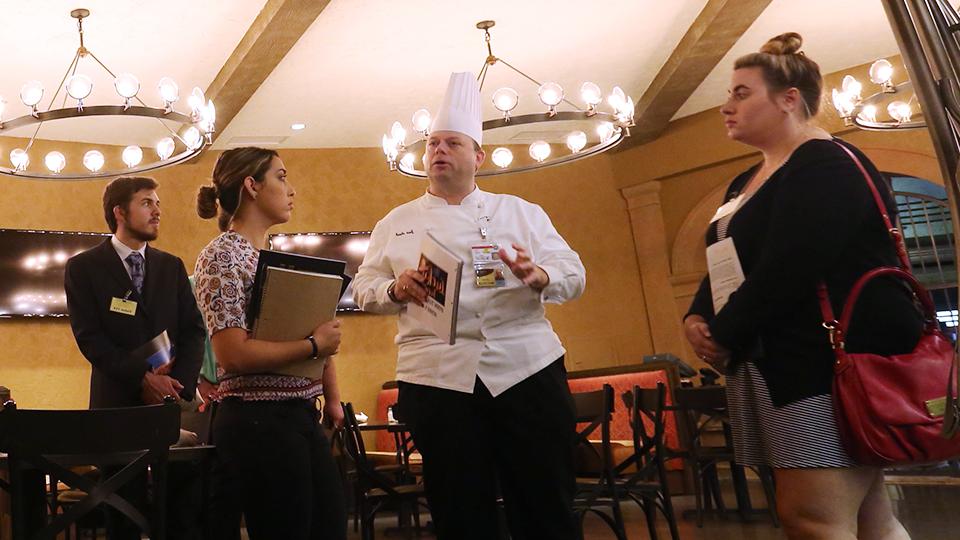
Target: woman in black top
803,215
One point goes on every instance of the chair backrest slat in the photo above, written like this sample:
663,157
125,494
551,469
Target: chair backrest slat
94,431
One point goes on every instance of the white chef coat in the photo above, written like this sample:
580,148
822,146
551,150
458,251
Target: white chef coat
503,335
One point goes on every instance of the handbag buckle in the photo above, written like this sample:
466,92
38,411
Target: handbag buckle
835,334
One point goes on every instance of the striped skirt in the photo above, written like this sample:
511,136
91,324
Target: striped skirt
799,434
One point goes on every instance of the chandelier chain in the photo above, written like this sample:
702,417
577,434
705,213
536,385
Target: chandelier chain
83,49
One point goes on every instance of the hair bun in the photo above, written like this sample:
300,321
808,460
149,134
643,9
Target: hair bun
207,202
788,43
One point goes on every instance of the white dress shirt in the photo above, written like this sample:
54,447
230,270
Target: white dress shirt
503,335
124,251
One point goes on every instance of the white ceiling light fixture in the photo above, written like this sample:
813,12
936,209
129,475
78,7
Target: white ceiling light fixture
93,160
862,112
178,145
606,129
502,157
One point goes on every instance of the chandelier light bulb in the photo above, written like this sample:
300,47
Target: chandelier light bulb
31,93
502,157
551,94
617,98
196,101
576,141
192,138
539,151
389,148
881,72
407,160
79,86
127,86
505,99
625,111
398,134
852,87
93,160
132,155
869,113
165,148
421,120
169,91
208,117
605,131
19,159
591,94
900,111
55,161
843,102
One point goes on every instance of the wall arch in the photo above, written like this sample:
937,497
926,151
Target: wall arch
907,162
687,253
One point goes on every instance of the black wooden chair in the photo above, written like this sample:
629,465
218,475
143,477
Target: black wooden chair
377,489
705,409
597,489
643,475
128,440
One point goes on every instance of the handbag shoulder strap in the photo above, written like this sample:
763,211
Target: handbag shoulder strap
826,310
894,232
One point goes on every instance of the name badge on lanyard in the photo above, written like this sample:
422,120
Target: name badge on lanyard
488,269
124,306
487,266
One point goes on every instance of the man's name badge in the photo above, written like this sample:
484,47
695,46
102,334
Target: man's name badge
487,267
126,307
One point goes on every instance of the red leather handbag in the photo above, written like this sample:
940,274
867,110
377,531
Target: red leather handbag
900,409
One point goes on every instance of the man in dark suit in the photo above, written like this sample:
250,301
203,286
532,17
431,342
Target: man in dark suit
123,293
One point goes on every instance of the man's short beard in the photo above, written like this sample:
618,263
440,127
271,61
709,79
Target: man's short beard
142,236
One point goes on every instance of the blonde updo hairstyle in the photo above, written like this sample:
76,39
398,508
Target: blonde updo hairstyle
784,67
232,168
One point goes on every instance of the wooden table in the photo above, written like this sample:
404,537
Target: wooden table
401,438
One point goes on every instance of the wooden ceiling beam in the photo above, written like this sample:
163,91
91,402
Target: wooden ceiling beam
719,25
273,33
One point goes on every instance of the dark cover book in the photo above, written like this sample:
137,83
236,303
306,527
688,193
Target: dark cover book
290,261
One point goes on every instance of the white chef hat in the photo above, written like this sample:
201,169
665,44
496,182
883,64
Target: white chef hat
460,109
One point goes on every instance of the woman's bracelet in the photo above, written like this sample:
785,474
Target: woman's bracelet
313,343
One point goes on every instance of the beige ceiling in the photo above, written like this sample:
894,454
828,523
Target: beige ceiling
364,63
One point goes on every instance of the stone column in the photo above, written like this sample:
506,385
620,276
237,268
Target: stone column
653,259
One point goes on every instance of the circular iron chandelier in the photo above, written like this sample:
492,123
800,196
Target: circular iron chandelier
177,145
865,112
589,130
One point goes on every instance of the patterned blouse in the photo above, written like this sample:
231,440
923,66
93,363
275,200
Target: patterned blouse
224,280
